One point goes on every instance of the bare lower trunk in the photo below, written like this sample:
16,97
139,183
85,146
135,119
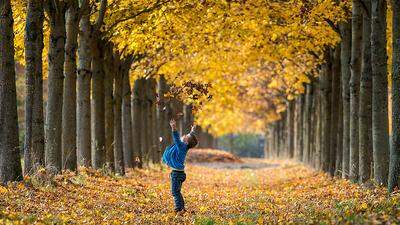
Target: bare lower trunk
152,132
55,86
118,147
69,98
109,109
84,77
345,69
292,130
365,111
394,170
334,109
307,123
33,152
127,121
98,117
10,161
325,87
163,115
379,92
137,108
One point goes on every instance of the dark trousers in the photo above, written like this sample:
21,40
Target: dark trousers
177,179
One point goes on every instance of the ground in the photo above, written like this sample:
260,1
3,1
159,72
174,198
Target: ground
256,192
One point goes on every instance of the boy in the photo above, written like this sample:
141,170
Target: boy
174,156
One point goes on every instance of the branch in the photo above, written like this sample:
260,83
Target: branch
333,26
102,13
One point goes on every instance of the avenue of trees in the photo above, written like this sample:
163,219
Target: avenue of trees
314,75
93,115
340,124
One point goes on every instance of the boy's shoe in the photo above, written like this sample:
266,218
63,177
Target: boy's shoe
180,212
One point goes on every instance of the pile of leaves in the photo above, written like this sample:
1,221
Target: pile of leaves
287,194
211,155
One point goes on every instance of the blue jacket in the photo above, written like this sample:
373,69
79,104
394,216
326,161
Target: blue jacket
175,154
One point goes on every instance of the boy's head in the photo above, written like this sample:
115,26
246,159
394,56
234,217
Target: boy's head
190,140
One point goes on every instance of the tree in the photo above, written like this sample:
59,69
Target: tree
325,94
334,148
356,49
34,134
118,146
137,117
109,69
69,160
394,170
127,120
380,125
365,111
10,162
56,13
345,58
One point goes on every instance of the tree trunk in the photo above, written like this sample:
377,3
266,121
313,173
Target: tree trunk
325,87
137,105
69,160
164,113
144,123
152,114
345,57
355,86
394,170
307,123
365,111
98,116
187,117
318,126
84,77
127,120
118,147
34,151
10,161
109,68
56,58
379,92
334,110
292,131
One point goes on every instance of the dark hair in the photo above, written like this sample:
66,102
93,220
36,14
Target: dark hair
192,141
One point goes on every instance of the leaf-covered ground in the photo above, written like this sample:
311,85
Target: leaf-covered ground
282,194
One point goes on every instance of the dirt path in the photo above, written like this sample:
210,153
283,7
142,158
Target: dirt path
256,192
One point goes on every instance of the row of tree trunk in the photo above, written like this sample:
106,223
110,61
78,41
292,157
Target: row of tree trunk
340,124
94,118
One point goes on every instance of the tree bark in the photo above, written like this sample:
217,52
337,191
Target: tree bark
98,107
355,86
345,57
34,150
379,92
307,123
109,68
334,109
394,169
293,128
84,77
10,161
56,56
127,120
325,87
365,111
137,105
152,131
164,114
118,147
69,160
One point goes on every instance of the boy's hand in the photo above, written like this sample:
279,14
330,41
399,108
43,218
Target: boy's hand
172,123
193,129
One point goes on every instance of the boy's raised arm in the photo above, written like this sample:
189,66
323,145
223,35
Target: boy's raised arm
175,134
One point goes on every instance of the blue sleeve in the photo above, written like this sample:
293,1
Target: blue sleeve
177,140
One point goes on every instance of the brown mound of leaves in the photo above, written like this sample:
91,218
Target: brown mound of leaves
211,155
